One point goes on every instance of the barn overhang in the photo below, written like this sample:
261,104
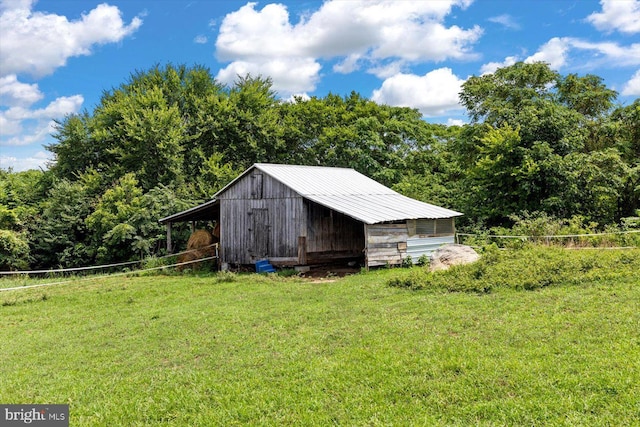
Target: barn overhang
208,211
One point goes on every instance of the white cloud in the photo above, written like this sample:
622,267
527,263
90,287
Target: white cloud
387,70
554,52
609,52
293,74
433,94
38,160
617,15
632,88
298,97
506,20
491,67
14,93
38,42
23,126
201,39
356,33
349,64
456,122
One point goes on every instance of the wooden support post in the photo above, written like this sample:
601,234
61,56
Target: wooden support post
366,247
302,250
169,246
193,227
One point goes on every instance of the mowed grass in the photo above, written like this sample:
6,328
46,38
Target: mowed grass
255,350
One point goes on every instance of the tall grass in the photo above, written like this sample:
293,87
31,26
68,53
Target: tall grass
532,267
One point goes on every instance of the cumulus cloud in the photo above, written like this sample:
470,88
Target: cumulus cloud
24,126
491,67
456,122
554,52
632,88
434,93
15,93
609,52
617,15
38,160
356,33
293,74
37,43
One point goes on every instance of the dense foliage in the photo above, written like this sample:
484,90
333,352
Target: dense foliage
172,136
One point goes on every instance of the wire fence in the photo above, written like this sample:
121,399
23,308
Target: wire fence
608,240
106,266
95,277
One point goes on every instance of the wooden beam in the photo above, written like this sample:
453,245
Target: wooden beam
302,250
169,246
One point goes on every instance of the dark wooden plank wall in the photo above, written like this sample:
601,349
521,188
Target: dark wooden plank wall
331,231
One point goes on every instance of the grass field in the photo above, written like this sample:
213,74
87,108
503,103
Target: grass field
254,350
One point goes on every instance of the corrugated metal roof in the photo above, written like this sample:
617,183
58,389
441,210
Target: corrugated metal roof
351,193
204,211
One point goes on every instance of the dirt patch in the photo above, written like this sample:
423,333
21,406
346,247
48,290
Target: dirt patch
330,271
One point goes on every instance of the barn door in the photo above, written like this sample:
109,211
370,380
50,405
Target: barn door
259,234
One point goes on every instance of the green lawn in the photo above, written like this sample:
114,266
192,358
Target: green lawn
255,350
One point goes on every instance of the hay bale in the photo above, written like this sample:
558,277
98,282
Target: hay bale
199,239
198,246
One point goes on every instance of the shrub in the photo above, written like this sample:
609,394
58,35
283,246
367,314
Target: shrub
531,268
423,261
407,262
14,251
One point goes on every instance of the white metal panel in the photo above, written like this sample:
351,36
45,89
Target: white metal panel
417,247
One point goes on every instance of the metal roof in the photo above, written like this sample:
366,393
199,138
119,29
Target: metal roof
205,211
351,193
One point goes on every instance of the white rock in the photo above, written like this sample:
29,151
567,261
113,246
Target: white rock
453,254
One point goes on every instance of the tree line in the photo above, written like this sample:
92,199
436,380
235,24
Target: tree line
538,143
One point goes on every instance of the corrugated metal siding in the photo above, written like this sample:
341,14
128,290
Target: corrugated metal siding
416,246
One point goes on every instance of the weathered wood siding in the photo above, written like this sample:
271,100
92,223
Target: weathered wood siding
386,244
392,243
260,218
329,231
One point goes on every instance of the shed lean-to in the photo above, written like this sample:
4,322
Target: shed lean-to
300,215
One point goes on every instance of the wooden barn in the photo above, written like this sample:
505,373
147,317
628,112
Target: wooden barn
306,215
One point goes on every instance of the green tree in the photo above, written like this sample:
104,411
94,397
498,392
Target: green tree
58,235
546,143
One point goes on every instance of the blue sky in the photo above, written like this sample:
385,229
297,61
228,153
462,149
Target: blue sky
57,57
